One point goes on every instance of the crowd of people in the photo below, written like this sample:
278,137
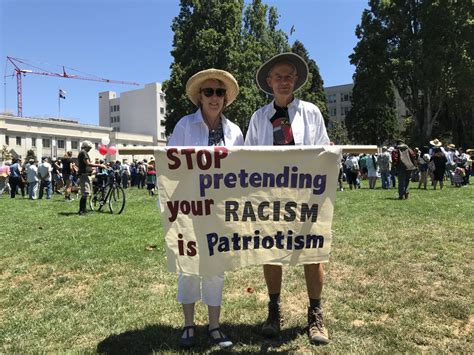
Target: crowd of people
435,162
33,179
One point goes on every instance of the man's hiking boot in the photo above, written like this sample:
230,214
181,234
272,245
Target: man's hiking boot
317,332
271,327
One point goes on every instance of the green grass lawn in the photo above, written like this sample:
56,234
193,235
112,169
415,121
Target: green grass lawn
400,279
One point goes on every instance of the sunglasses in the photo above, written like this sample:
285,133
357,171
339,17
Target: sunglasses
209,92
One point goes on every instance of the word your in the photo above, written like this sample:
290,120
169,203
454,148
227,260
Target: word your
196,208
259,180
221,244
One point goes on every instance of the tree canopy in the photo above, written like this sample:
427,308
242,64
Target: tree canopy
426,51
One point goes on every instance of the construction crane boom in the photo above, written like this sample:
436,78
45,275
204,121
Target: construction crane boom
19,72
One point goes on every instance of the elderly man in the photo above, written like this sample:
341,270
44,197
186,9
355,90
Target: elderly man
85,171
289,121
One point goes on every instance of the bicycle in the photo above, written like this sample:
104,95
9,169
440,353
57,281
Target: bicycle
111,193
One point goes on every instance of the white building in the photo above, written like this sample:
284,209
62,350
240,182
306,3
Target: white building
53,137
139,111
339,100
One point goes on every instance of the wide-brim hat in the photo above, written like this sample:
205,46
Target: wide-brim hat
193,86
451,146
470,150
435,142
295,59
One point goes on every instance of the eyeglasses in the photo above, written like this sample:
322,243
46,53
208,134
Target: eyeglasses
209,92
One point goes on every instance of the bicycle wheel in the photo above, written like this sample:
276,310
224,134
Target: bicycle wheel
116,200
94,200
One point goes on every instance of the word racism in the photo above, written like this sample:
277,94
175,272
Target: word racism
243,179
222,244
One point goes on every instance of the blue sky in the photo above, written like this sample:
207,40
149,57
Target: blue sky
131,41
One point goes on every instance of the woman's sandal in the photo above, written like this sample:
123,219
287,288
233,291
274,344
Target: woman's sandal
222,341
190,340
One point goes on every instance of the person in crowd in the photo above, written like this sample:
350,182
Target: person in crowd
133,174
66,172
141,175
57,176
32,179
415,174
372,168
384,162
23,185
352,170
423,161
289,121
125,172
439,160
4,174
363,166
44,173
15,177
452,155
151,180
84,172
404,160
212,90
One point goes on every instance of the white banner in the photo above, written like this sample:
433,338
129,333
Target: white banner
224,208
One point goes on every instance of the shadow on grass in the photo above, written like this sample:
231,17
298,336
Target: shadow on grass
67,214
160,338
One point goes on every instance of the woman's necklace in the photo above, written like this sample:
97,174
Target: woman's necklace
211,127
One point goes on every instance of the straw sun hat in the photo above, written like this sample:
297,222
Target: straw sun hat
193,86
435,142
295,59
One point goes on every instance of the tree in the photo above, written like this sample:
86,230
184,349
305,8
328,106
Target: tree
6,154
372,118
313,90
30,154
337,133
427,44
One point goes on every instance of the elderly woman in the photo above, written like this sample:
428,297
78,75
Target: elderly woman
211,90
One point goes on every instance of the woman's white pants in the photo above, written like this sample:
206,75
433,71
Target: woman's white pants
190,286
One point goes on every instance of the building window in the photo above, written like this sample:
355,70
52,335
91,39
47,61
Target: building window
162,122
162,110
163,135
74,145
33,142
118,107
333,111
332,98
46,143
162,97
61,143
18,141
111,109
111,120
344,97
7,140
96,145
116,129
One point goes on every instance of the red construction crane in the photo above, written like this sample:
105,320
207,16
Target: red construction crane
19,72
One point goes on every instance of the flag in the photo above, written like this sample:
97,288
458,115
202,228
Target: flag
62,94
292,30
